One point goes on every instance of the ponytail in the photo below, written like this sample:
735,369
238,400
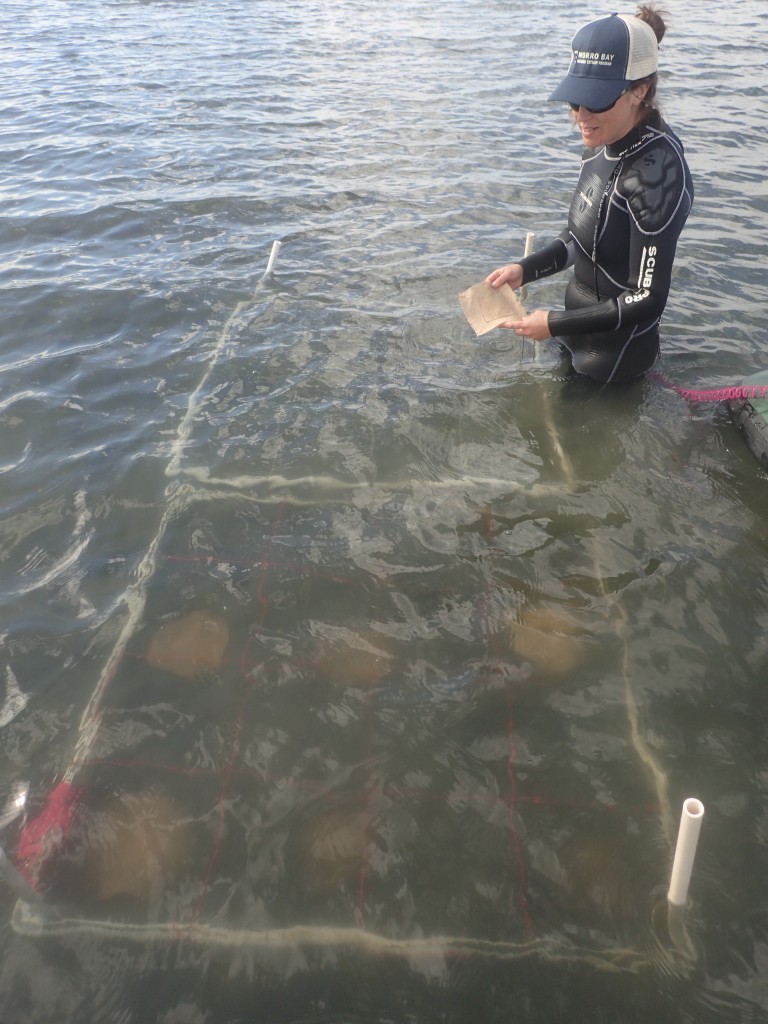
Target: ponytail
653,16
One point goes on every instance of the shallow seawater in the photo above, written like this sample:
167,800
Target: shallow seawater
358,668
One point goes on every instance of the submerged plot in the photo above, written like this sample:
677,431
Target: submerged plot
297,751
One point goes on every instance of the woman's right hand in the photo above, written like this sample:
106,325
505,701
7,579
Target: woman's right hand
511,275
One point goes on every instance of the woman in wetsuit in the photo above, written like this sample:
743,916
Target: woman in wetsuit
629,207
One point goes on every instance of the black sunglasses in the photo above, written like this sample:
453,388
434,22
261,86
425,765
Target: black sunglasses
597,110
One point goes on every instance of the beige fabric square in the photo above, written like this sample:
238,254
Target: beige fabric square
486,307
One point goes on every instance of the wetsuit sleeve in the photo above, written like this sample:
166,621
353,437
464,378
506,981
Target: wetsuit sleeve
551,259
654,195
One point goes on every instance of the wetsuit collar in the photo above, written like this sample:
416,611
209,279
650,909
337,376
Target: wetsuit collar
635,138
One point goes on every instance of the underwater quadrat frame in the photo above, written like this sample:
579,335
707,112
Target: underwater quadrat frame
187,488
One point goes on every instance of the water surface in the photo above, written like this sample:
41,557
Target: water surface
367,664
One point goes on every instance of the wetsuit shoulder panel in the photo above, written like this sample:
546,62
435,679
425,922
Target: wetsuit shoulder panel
653,184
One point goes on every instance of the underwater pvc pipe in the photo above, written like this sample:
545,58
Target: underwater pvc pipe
685,851
55,818
272,259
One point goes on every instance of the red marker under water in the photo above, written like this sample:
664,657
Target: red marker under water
44,833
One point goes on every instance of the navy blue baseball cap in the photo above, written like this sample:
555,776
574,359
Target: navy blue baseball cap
607,56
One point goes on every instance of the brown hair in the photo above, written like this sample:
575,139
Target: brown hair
653,16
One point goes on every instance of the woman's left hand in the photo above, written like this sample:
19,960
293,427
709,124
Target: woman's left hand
534,326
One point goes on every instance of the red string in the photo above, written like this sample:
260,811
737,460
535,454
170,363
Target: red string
522,875
229,770
374,791
487,527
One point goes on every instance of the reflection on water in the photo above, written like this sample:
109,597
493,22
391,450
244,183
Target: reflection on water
357,669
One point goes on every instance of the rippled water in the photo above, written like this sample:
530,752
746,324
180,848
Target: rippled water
358,668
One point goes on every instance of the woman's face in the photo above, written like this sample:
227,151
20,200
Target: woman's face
599,130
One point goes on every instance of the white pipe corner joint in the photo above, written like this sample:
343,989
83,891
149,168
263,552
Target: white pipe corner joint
685,851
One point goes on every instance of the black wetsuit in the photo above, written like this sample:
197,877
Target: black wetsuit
628,210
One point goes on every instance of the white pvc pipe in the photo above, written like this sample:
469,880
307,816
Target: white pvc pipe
526,252
685,851
272,259
135,596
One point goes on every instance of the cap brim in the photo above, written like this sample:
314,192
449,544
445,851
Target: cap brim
589,92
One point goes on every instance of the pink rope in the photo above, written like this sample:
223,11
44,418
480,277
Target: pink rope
734,391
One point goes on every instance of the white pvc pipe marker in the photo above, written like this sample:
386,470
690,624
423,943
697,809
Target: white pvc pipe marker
685,851
272,259
527,252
